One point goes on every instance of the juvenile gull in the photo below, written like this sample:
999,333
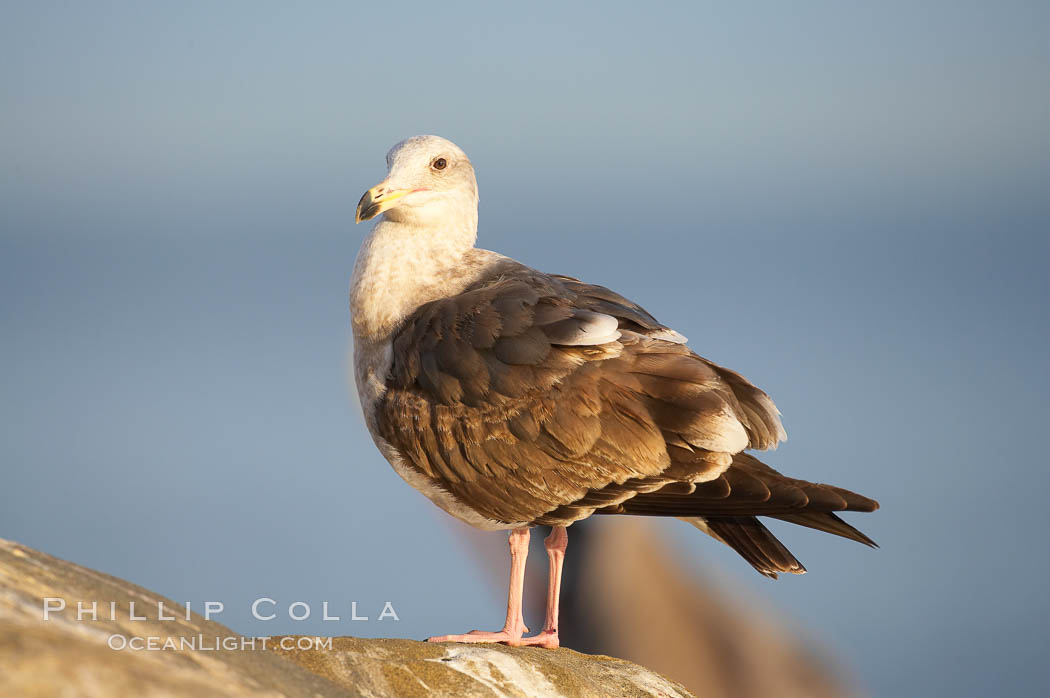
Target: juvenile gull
513,398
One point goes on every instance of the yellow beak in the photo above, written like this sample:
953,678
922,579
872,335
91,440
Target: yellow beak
376,200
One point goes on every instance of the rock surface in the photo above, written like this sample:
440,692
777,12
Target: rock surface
410,668
67,656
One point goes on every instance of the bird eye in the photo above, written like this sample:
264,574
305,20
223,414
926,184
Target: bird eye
439,164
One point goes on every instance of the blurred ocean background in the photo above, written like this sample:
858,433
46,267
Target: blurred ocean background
847,202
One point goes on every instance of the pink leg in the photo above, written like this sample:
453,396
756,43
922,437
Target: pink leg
514,628
555,543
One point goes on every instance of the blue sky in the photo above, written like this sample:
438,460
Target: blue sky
846,202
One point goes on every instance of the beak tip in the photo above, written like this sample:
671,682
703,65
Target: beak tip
376,200
367,207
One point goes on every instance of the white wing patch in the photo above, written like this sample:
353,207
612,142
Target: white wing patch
668,335
723,433
583,328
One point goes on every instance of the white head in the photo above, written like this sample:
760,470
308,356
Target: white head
430,182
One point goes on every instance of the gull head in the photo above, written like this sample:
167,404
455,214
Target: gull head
429,182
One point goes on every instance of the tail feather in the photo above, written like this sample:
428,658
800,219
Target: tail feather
726,508
752,541
828,523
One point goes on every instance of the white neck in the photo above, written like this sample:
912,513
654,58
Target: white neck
403,264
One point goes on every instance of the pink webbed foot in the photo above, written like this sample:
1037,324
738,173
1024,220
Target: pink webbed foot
545,638
508,635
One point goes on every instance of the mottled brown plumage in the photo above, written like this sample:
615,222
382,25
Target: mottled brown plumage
489,398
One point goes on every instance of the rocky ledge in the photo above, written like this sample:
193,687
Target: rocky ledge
66,656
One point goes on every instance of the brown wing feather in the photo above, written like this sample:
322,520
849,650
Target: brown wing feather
828,523
756,544
487,401
499,396
601,300
753,407
750,487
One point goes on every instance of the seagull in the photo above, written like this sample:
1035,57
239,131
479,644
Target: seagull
512,398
